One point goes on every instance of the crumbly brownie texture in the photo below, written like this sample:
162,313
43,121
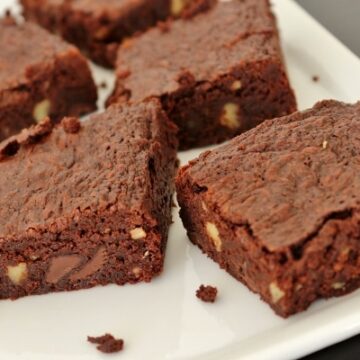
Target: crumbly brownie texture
279,206
98,26
40,75
217,74
85,206
107,343
11,145
206,293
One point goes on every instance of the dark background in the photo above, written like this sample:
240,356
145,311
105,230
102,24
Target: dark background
342,18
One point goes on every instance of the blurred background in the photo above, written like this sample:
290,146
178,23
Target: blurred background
341,17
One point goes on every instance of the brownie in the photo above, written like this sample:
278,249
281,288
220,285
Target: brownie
40,75
86,208
217,74
206,293
279,206
98,26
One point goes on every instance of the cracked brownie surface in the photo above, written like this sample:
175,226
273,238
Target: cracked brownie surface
279,206
217,74
40,75
86,204
97,26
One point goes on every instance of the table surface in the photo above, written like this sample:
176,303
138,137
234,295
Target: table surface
342,19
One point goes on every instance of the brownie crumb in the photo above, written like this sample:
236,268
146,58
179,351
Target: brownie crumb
107,343
103,85
315,78
111,346
71,125
207,293
100,339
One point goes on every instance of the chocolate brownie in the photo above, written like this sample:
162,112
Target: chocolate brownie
217,74
279,206
98,26
40,75
87,207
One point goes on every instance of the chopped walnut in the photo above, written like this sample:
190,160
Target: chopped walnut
213,233
230,116
276,293
18,273
137,233
41,110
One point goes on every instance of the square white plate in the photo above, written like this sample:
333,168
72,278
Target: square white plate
164,319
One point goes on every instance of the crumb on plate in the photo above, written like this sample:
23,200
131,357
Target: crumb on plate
207,293
107,343
315,78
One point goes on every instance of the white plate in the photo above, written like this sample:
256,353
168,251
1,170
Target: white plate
164,319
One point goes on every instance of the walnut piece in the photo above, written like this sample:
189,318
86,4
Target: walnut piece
177,6
18,273
137,233
213,233
230,116
338,285
136,271
276,293
41,110
236,85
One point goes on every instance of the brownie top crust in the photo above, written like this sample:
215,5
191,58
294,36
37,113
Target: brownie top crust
26,49
198,49
286,178
46,177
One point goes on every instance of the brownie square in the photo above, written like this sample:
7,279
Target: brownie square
98,26
88,204
40,75
217,74
279,206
